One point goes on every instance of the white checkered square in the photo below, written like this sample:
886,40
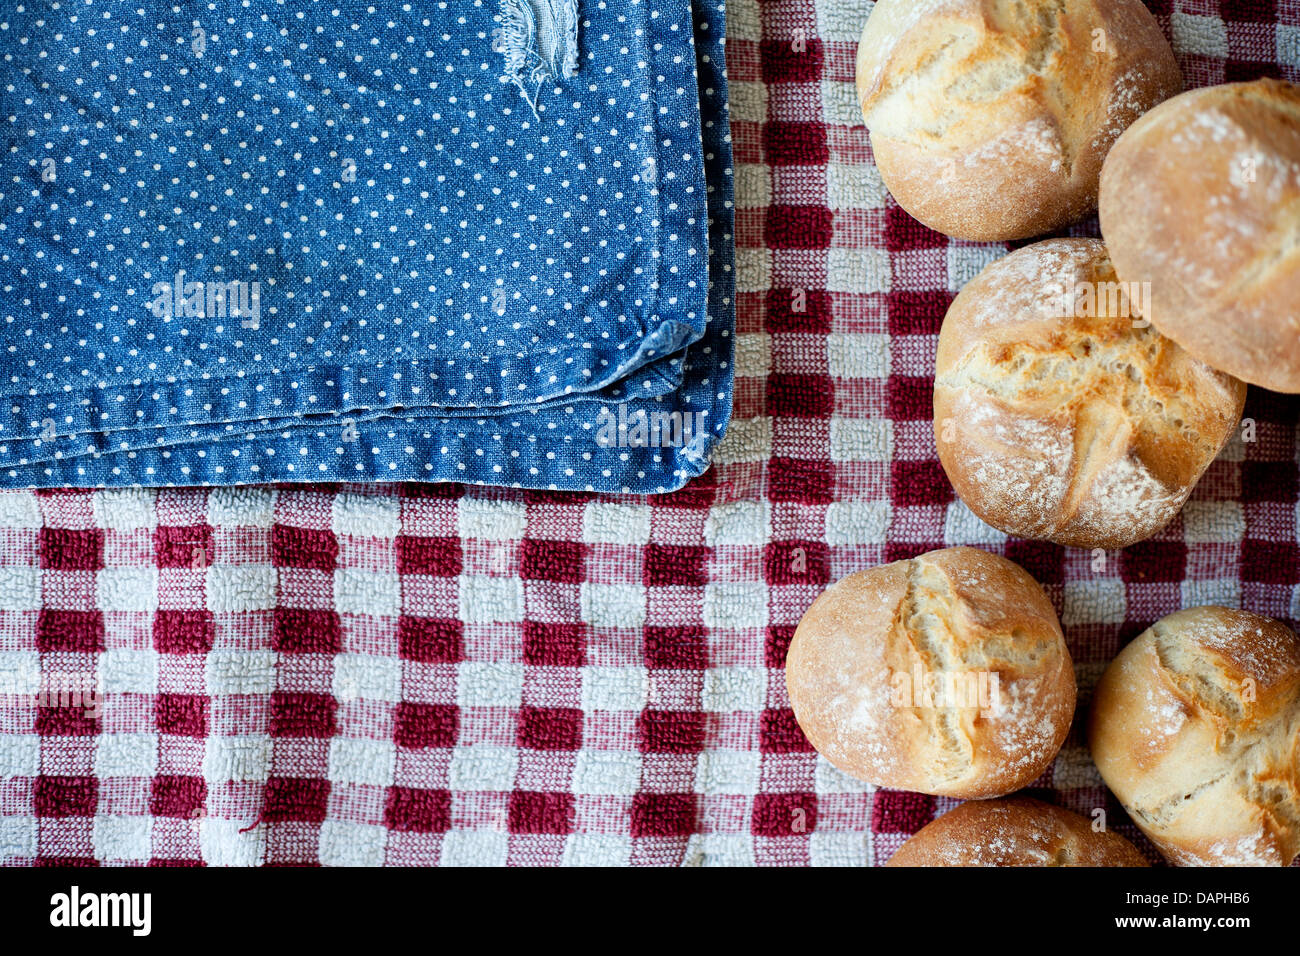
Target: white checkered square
127,589
856,522
240,672
753,186
605,523
20,588
855,186
129,672
243,758
483,767
126,755
1288,44
597,849
351,844
20,509
861,271
490,684
1220,592
748,103
747,439
492,520
614,688
840,106
241,507
367,592
1202,36
841,21
475,848
855,355
360,761
20,755
861,439
754,354
366,516
734,689
124,509
488,600
728,771
1215,522
961,526
839,849
222,844
753,270
613,605
1102,601
735,604
17,838
606,772
243,587
122,838
367,677
738,522
966,261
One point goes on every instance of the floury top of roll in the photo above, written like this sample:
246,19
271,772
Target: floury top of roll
1200,199
990,119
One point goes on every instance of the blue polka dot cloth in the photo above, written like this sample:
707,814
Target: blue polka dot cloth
486,241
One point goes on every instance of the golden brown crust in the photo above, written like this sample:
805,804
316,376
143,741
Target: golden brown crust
1070,419
1195,726
990,119
856,674
1201,198
1019,831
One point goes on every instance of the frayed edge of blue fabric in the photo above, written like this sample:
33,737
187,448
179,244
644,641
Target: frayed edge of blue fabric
539,40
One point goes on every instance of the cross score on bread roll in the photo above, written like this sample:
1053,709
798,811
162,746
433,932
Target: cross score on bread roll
1195,726
1059,414
990,119
945,674
1019,831
1201,199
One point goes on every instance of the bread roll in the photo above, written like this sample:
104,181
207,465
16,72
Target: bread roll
1059,414
1201,198
974,629
990,119
1196,728
1018,831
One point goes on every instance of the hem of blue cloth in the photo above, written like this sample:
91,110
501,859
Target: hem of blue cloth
660,377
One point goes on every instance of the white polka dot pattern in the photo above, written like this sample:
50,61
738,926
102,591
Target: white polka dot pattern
337,242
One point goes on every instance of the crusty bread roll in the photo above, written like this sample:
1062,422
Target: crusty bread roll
1018,831
1060,415
1196,728
990,119
1002,681
1201,198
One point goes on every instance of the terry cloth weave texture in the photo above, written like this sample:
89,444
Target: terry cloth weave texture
439,674
458,242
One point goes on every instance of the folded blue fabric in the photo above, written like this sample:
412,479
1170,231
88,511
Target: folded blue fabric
487,242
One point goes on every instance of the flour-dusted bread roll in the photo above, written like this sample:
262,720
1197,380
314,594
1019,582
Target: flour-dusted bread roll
1018,831
1201,199
945,674
1061,415
990,119
1196,728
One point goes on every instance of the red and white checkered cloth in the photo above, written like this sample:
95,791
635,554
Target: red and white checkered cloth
429,674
